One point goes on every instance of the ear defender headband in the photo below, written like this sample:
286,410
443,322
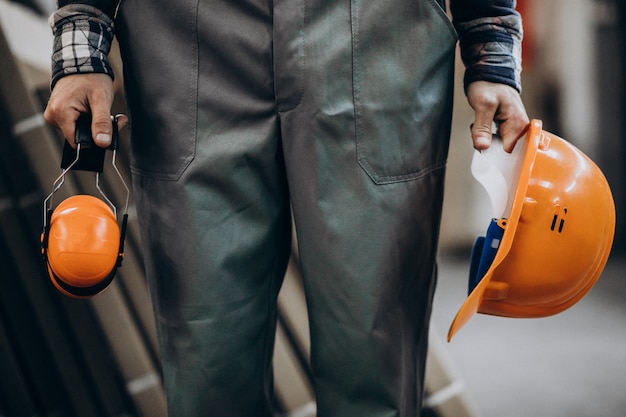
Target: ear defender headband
81,243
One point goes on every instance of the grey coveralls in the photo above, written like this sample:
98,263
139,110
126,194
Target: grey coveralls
243,109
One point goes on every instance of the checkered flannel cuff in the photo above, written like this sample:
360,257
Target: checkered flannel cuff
491,49
82,40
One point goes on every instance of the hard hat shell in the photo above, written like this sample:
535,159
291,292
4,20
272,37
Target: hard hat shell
83,246
557,237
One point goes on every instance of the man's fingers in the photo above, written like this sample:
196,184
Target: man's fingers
481,135
101,129
497,103
485,105
481,130
100,102
122,121
82,93
511,130
64,118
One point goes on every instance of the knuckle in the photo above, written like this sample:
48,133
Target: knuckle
52,110
488,102
102,122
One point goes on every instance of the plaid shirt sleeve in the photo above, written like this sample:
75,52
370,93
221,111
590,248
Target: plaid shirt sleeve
490,33
82,40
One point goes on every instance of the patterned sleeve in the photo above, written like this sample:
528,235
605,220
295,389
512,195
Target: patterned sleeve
82,40
490,33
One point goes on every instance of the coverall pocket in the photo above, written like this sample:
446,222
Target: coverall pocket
161,80
403,69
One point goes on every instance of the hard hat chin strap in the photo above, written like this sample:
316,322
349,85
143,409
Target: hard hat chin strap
484,252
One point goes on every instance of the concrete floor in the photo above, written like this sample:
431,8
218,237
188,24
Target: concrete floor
569,365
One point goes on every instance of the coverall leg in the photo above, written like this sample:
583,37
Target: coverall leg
240,109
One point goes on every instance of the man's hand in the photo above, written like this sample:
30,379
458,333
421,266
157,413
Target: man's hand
499,103
83,93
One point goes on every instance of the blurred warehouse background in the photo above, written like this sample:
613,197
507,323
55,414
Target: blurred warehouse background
63,357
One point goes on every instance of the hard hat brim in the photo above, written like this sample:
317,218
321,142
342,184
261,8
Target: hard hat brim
472,303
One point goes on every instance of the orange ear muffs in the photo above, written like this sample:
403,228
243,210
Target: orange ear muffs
84,246
81,242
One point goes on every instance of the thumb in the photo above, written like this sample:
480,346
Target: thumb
101,129
101,125
481,129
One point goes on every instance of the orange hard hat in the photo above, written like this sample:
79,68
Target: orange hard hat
83,246
552,245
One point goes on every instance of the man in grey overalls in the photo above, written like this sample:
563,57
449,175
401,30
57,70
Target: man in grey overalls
243,110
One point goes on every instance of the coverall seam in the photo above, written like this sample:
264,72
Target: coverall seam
354,29
302,70
414,176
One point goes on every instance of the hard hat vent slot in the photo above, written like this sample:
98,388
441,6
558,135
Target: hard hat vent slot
558,221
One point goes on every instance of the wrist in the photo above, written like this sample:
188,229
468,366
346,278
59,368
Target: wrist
491,50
